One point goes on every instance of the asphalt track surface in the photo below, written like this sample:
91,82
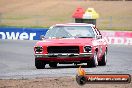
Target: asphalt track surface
17,61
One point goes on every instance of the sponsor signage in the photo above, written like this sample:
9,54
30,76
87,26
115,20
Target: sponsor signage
21,33
118,37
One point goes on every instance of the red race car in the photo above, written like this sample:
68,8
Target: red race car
71,43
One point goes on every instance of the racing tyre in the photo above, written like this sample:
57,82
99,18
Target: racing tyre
94,61
53,64
39,64
103,60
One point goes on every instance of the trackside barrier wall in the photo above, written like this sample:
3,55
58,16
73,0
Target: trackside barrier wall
112,37
21,33
118,37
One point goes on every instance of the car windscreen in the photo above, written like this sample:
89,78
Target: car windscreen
70,32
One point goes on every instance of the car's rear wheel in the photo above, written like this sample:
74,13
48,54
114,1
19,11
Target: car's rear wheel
103,60
39,64
94,61
53,64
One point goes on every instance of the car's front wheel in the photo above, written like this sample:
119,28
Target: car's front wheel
94,61
103,60
39,64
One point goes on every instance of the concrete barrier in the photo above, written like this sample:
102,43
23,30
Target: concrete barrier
112,37
118,37
21,33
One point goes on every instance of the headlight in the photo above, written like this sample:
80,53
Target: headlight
87,48
38,49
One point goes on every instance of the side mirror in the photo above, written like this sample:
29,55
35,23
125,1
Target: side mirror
99,36
42,37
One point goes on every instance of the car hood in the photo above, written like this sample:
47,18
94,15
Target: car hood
65,41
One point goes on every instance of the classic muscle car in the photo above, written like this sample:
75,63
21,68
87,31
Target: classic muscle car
71,43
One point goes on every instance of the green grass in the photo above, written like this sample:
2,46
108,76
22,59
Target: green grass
25,26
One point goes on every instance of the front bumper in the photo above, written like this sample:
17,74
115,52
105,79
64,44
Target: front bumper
63,55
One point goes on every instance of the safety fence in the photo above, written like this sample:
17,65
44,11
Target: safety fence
110,22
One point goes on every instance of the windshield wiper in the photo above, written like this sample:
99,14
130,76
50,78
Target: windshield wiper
64,37
85,37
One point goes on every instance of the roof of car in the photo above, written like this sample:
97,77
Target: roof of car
75,24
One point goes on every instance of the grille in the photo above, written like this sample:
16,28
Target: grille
63,49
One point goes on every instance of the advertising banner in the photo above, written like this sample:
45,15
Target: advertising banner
21,33
118,37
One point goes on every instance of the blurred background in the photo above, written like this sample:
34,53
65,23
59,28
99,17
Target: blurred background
114,15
